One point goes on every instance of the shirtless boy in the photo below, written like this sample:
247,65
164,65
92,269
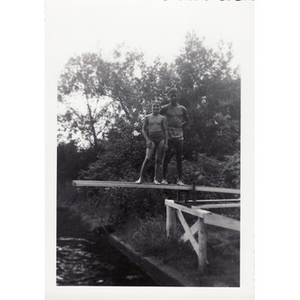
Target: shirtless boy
155,133
176,116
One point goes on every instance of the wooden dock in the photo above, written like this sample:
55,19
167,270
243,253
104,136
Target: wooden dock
175,210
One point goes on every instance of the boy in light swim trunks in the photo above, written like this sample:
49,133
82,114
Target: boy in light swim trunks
155,133
177,117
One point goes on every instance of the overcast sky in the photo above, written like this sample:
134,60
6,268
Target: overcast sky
156,27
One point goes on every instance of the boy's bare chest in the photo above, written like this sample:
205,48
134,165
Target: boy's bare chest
174,112
154,120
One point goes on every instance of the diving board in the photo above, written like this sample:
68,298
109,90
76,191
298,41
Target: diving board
124,184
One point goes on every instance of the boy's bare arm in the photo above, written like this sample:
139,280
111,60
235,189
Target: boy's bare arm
186,117
144,129
163,111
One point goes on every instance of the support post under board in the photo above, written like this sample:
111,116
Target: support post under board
171,225
202,244
82,194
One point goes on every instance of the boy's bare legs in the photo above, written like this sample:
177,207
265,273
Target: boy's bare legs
166,159
178,146
178,151
149,152
158,158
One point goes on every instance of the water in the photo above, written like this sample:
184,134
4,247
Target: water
87,259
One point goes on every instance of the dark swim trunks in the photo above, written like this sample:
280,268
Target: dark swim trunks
156,137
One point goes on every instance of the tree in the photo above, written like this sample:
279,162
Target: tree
124,86
210,89
71,160
85,77
90,80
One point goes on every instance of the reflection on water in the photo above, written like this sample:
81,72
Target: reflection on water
76,264
92,261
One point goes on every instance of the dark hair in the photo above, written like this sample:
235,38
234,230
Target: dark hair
172,91
155,102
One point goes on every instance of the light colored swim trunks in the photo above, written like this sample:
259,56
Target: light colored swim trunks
175,133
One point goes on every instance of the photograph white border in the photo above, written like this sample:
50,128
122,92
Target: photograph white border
246,289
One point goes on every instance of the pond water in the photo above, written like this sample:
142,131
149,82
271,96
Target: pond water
86,258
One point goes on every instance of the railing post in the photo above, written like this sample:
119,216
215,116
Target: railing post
171,224
202,244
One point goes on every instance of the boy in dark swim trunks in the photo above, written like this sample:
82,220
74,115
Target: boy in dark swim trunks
155,133
177,117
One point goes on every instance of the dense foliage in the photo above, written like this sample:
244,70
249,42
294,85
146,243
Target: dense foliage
104,142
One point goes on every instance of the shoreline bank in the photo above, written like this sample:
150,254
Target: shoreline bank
162,274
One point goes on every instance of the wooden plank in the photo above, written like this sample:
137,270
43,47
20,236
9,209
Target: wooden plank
222,221
216,190
218,205
213,200
124,184
171,224
202,245
195,212
209,217
193,229
188,231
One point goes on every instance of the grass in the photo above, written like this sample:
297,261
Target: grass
148,237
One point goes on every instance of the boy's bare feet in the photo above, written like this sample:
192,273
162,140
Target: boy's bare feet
164,182
179,182
139,181
156,181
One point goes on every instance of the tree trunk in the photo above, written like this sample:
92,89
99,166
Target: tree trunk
92,121
125,110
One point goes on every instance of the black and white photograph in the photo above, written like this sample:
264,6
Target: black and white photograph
150,109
